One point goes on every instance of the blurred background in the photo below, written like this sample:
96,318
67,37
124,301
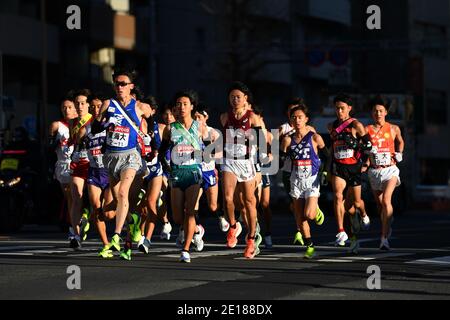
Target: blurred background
279,48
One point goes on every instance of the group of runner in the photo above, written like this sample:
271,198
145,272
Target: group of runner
132,168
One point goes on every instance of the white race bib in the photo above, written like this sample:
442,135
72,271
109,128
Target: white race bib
343,152
382,158
119,137
302,168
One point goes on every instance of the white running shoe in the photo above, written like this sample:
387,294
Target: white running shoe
165,232
198,238
365,222
384,244
223,224
185,257
180,239
268,242
341,237
145,245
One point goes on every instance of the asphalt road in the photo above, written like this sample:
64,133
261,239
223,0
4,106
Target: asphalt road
34,265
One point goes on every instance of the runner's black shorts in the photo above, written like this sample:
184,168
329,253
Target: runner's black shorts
351,173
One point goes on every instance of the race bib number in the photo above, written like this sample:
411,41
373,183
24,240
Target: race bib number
303,168
9,164
119,137
382,158
343,152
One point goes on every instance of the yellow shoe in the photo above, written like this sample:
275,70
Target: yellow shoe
298,238
320,217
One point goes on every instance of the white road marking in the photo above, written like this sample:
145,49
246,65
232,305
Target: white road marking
439,260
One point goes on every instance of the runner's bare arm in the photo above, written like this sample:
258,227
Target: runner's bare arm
399,139
223,119
144,109
53,128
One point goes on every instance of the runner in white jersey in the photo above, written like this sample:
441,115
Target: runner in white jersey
287,130
59,138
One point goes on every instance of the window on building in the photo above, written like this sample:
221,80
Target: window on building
436,107
434,171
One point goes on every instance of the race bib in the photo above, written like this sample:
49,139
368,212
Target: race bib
303,168
343,152
208,166
382,158
235,150
97,157
118,137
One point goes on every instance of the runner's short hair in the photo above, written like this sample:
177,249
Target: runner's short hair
379,100
191,94
238,85
343,97
120,71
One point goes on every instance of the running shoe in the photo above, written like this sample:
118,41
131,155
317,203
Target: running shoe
159,203
354,245
75,243
224,225
198,238
84,224
258,240
384,244
298,238
232,235
250,250
320,217
365,222
125,254
114,245
268,242
135,227
144,245
310,252
165,231
185,257
180,239
105,252
341,237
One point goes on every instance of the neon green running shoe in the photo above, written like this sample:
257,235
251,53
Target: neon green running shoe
298,238
114,245
310,251
135,227
85,225
320,217
125,254
105,252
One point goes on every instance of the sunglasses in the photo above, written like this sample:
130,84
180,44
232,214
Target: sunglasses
121,84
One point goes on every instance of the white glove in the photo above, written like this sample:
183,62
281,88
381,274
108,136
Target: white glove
398,157
147,140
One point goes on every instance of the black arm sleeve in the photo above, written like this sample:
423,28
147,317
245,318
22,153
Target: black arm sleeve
165,145
325,159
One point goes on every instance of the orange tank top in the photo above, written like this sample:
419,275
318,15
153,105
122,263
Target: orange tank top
383,149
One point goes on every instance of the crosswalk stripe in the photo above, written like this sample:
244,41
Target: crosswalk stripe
438,260
376,256
204,254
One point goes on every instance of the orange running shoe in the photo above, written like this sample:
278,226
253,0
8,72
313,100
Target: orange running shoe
232,235
250,250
